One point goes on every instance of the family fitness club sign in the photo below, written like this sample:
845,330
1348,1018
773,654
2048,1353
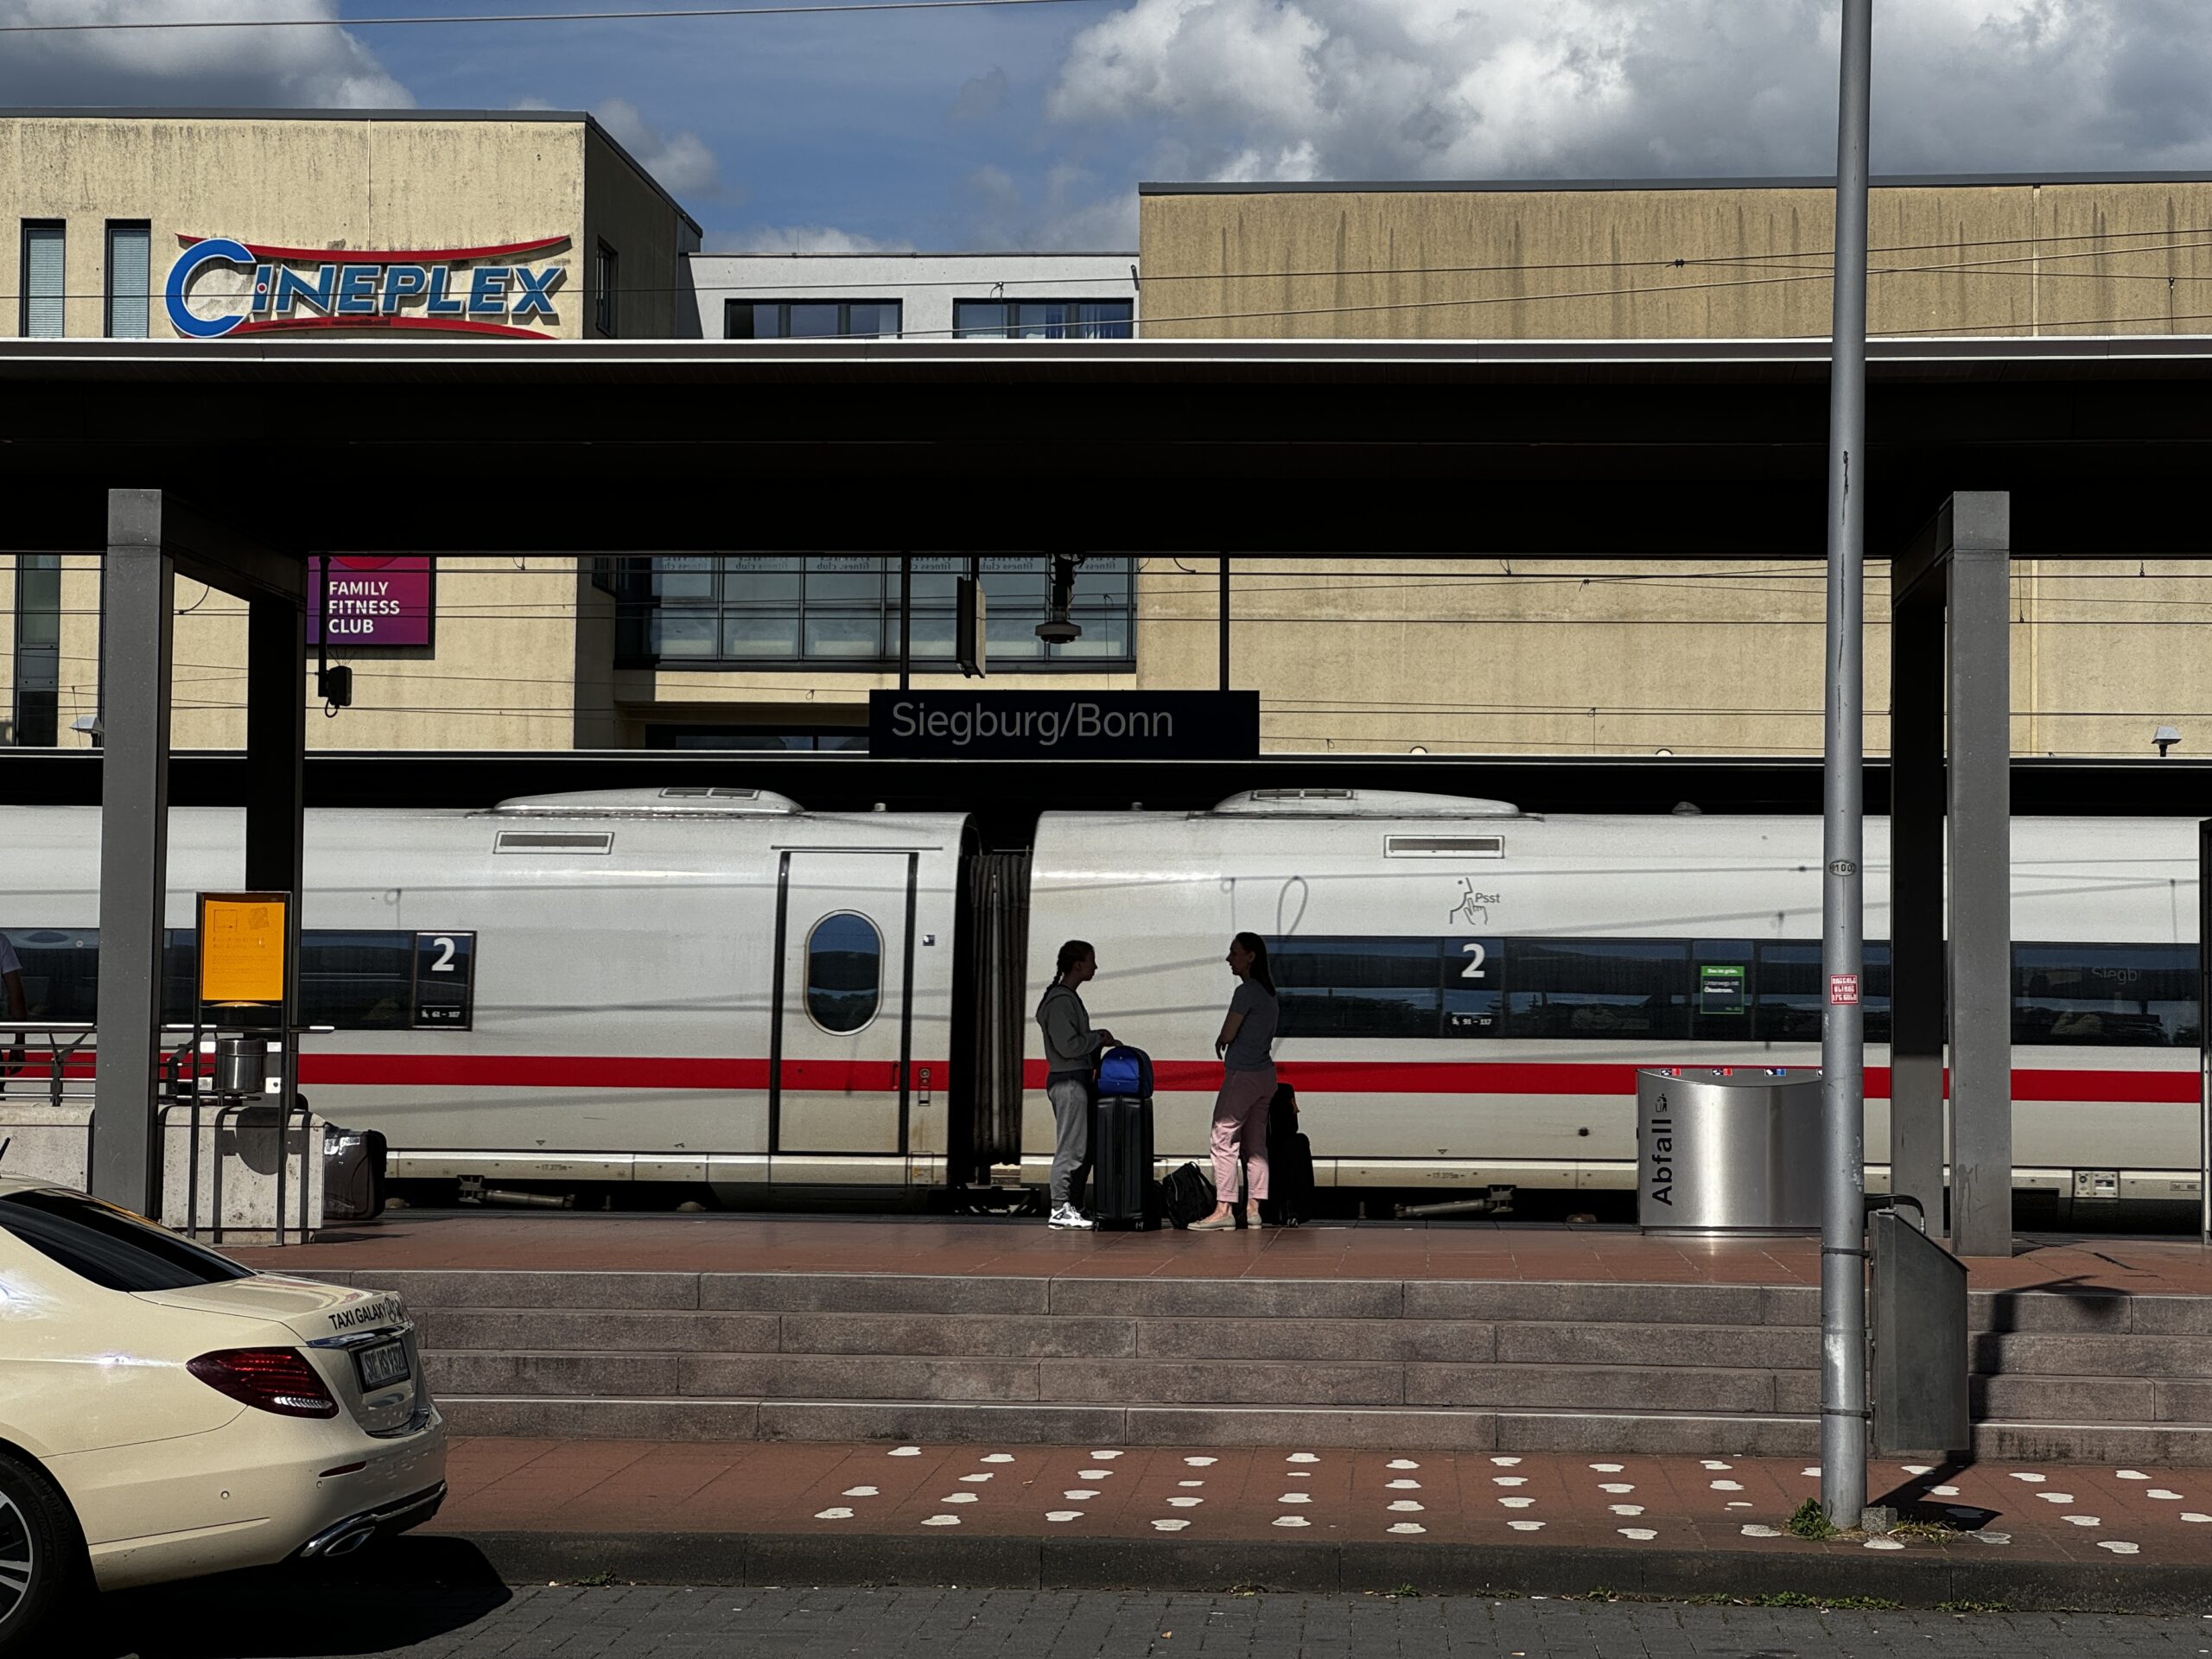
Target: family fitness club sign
295,288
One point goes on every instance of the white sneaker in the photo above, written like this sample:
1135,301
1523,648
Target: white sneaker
1067,1215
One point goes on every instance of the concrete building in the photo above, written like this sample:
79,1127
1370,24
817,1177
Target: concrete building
779,646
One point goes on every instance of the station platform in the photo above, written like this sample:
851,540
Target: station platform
1505,1338
1322,1520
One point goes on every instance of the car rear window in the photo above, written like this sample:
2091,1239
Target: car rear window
115,1250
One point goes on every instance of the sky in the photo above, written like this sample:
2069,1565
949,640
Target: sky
1029,128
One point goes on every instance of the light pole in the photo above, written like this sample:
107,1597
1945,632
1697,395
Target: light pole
1843,1106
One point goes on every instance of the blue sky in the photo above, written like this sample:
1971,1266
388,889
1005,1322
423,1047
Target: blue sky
1031,127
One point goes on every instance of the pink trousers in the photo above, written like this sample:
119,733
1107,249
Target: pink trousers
1240,1126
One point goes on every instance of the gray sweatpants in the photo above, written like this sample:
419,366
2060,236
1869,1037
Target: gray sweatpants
1071,1098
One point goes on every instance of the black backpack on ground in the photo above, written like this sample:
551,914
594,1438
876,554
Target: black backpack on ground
1187,1196
1290,1164
1120,1163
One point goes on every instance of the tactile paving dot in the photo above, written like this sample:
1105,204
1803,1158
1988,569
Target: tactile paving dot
1407,1463
1406,1506
1202,1463
2161,1492
1616,1486
904,1452
833,1515
2131,1474
1518,1503
1942,1491
1078,1494
1636,1532
1301,1457
1063,1514
1814,1470
1292,1521
2032,1480
998,1457
1740,1504
1106,1457
1502,1480
1190,1483
2083,1521
2192,1515
972,1478
2056,1498
1991,1537
1626,1508
1414,1485
1408,1526
1092,1474
2118,1548
959,1497
1295,1497
1185,1503
1715,1463
1503,1463
1169,1526
1727,1485
1753,1529
1884,1543
942,1521
1526,1526
1915,1468
1606,1468
858,1492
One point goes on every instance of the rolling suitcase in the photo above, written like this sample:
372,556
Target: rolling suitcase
1290,1164
1187,1196
1121,1163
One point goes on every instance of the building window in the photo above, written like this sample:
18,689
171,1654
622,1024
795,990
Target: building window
38,648
44,281
840,610
1043,319
810,319
844,972
129,262
606,270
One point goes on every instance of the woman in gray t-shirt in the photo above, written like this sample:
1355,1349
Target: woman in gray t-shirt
1248,1086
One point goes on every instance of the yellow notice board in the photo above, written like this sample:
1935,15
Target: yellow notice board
242,940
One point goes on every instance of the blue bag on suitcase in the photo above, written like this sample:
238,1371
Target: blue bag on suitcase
1127,1072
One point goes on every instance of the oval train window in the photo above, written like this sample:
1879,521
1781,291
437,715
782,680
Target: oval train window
844,971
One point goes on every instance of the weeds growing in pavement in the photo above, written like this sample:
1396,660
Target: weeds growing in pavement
1809,1520
1973,1607
595,1582
1933,1531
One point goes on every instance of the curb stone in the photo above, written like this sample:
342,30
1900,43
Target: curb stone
758,1560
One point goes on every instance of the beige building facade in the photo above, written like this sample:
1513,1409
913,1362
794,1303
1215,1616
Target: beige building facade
772,648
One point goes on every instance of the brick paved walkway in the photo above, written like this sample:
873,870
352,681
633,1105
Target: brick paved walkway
2113,1517
2162,1267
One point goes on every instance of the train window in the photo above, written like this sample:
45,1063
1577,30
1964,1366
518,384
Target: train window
1363,987
1596,989
445,981
1788,995
61,968
356,982
2105,995
1720,989
844,972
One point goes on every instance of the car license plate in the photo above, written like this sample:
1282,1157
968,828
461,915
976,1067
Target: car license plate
382,1365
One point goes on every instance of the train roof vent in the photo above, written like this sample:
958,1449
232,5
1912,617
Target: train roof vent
1444,845
554,841
1362,803
632,802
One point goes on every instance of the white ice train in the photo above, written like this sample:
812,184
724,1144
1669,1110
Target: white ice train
711,987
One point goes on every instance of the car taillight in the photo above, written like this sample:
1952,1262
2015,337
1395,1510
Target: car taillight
268,1379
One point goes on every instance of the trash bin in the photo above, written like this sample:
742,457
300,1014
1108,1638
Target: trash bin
1728,1149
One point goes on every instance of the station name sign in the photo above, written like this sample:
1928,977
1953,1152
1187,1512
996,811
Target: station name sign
487,290
1064,724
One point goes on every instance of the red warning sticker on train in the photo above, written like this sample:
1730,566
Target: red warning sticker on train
1843,990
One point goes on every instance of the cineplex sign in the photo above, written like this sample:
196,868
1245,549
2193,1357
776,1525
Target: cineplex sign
488,290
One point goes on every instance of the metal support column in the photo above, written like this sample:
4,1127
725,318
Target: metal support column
1224,621
1843,1104
276,776
1980,819
140,600
1916,992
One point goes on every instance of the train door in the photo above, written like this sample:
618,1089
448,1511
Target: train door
842,1035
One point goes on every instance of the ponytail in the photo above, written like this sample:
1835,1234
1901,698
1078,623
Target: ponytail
1258,947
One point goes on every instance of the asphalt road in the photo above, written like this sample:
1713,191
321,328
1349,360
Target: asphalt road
432,1598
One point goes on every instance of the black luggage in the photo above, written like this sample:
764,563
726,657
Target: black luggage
1290,1164
353,1173
1120,1163
1187,1196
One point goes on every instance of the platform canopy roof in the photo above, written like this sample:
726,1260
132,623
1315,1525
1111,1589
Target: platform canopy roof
1661,449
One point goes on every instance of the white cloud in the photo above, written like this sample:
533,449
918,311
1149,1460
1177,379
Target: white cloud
802,239
277,68
1236,89
682,162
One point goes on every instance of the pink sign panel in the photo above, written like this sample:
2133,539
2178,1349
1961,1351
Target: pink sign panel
370,599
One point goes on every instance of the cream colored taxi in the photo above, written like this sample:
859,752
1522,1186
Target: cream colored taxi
165,1412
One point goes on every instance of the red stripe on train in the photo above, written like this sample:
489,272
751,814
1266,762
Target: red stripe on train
1170,1077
